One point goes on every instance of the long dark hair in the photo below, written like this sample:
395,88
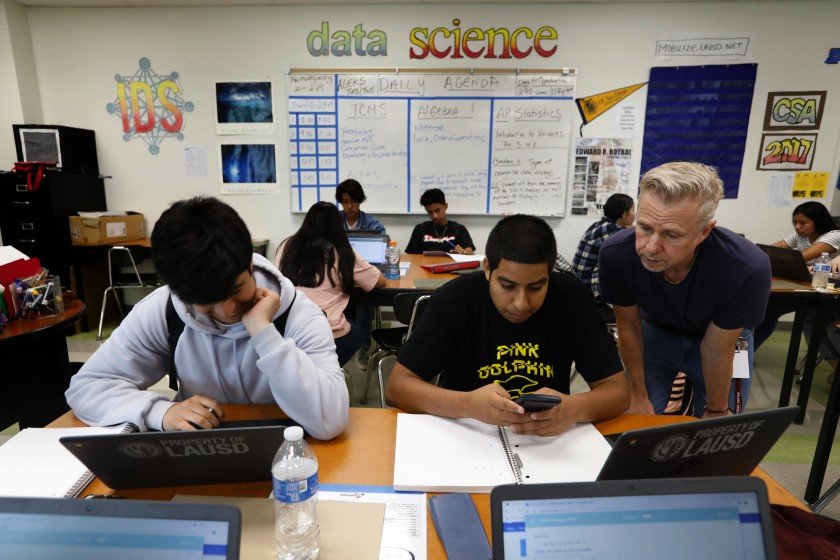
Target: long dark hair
310,253
818,213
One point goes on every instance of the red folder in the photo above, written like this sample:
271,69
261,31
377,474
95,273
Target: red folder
449,267
20,268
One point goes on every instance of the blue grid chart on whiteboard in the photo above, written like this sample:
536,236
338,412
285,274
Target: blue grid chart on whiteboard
494,143
313,147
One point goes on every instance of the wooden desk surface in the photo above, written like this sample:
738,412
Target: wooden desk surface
21,329
364,454
415,272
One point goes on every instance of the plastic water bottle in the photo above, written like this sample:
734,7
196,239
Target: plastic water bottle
822,270
392,261
294,472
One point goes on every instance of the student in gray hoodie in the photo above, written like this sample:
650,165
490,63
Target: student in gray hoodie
230,350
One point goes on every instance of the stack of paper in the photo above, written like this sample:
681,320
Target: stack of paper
34,464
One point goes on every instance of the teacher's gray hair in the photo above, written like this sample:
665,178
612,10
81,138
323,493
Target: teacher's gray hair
678,180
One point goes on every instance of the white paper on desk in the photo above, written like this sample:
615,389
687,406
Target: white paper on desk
34,464
435,454
404,529
10,254
101,214
466,258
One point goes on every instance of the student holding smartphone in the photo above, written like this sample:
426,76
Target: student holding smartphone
510,331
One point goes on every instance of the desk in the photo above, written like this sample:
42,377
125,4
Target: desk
799,298
364,454
796,296
36,368
385,296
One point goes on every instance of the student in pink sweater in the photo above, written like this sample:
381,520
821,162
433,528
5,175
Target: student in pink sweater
320,262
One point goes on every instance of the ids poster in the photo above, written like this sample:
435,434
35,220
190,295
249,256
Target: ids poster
602,168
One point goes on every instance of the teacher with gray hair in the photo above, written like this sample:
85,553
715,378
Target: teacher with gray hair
686,293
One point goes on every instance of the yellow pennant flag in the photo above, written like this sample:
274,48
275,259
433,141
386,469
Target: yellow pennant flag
594,106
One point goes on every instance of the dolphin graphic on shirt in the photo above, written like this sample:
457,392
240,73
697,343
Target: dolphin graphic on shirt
516,385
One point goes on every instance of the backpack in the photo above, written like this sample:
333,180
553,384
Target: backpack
175,326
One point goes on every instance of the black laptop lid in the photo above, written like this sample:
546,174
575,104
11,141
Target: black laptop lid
724,446
46,529
699,518
787,263
153,459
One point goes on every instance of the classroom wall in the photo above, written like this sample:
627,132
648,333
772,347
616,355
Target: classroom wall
77,52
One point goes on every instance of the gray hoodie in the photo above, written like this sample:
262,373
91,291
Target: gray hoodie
298,371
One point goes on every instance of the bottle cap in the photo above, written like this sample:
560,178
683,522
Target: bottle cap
392,243
293,433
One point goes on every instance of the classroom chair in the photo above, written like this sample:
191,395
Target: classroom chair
119,259
407,309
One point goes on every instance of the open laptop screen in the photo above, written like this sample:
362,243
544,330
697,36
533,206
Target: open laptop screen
39,529
650,526
372,249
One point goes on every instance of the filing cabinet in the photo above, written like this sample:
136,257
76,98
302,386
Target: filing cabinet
35,221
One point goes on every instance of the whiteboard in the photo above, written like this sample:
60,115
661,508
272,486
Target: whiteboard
494,143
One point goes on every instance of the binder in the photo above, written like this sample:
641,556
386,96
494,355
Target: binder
436,454
449,267
34,464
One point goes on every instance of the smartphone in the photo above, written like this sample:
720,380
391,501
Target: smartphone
534,402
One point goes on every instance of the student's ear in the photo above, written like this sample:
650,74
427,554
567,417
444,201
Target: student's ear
445,206
486,265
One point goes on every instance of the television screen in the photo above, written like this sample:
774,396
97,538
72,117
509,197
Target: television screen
40,145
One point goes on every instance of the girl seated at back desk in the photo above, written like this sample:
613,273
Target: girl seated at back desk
320,262
814,233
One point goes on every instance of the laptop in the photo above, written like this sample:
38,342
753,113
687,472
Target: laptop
152,459
787,263
690,519
725,446
41,528
371,247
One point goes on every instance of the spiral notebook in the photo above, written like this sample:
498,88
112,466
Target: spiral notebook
34,464
436,454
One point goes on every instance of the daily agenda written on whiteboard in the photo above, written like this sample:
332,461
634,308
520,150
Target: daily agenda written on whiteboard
495,143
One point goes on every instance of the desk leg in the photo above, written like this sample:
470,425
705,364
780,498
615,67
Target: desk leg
824,441
793,354
47,375
820,322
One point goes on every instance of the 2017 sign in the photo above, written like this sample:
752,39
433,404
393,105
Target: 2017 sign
787,152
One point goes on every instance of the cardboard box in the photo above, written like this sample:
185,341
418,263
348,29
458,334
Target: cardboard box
106,230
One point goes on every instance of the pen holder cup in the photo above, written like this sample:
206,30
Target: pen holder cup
40,299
